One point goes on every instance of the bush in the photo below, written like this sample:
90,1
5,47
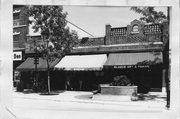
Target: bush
121,81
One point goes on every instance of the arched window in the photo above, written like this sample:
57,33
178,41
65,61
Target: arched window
135,28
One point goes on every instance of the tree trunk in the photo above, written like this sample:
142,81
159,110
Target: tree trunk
48,77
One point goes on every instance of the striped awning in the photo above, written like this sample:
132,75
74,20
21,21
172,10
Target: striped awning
28,64
82,62
133,60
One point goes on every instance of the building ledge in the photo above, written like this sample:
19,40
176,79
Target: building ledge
135,47
19,26
116,45
16,11
16,49
33,35
16,33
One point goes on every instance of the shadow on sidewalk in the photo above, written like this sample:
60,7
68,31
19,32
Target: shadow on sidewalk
84,97
150,97
53,92
141,97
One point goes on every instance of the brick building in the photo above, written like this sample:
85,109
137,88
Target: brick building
136,51
23,37
20,30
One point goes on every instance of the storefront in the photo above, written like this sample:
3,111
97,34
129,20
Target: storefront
135,50
29,74
86,72
82,72
143,69
18,58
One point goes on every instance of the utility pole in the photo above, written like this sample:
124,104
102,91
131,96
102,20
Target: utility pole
167,52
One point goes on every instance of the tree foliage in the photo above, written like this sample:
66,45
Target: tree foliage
51,22
57,38
150,15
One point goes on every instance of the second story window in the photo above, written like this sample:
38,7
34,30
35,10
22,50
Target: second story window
16,38
16,20
135,29
15,16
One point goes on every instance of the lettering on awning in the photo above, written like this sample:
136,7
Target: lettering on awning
130,66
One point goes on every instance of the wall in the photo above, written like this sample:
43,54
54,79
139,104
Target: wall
20,25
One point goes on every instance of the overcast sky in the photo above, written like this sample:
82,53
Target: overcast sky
94,19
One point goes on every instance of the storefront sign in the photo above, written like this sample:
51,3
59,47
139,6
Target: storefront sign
131,66
17,56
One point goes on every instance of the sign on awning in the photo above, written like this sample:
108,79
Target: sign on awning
133,60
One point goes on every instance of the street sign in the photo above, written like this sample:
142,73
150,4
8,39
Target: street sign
36,60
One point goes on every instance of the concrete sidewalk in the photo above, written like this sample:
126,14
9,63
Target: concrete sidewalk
151,100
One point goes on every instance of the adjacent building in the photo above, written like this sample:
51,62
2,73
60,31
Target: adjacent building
20,30
24,39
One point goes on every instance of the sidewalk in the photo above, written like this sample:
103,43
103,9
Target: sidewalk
152,100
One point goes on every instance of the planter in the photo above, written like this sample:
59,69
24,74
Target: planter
106,89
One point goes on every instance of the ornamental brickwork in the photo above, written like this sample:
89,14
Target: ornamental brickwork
134,37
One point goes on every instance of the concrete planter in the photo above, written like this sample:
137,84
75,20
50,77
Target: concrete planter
106,89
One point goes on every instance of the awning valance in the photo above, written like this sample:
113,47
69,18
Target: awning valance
133,60
28,64
82,62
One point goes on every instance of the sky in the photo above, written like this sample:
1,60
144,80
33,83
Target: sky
94,19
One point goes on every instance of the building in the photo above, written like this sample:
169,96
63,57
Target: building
136,51
20,30
24,41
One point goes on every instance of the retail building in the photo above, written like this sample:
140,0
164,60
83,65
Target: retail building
136,51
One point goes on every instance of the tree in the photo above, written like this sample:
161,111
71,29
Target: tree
150,15
57,38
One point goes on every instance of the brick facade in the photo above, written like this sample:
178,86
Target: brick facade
20,26
21,36
134,37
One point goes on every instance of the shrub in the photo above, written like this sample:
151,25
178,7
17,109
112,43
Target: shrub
121,81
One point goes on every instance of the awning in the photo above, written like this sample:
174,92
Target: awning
28,64
133,60
82,62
